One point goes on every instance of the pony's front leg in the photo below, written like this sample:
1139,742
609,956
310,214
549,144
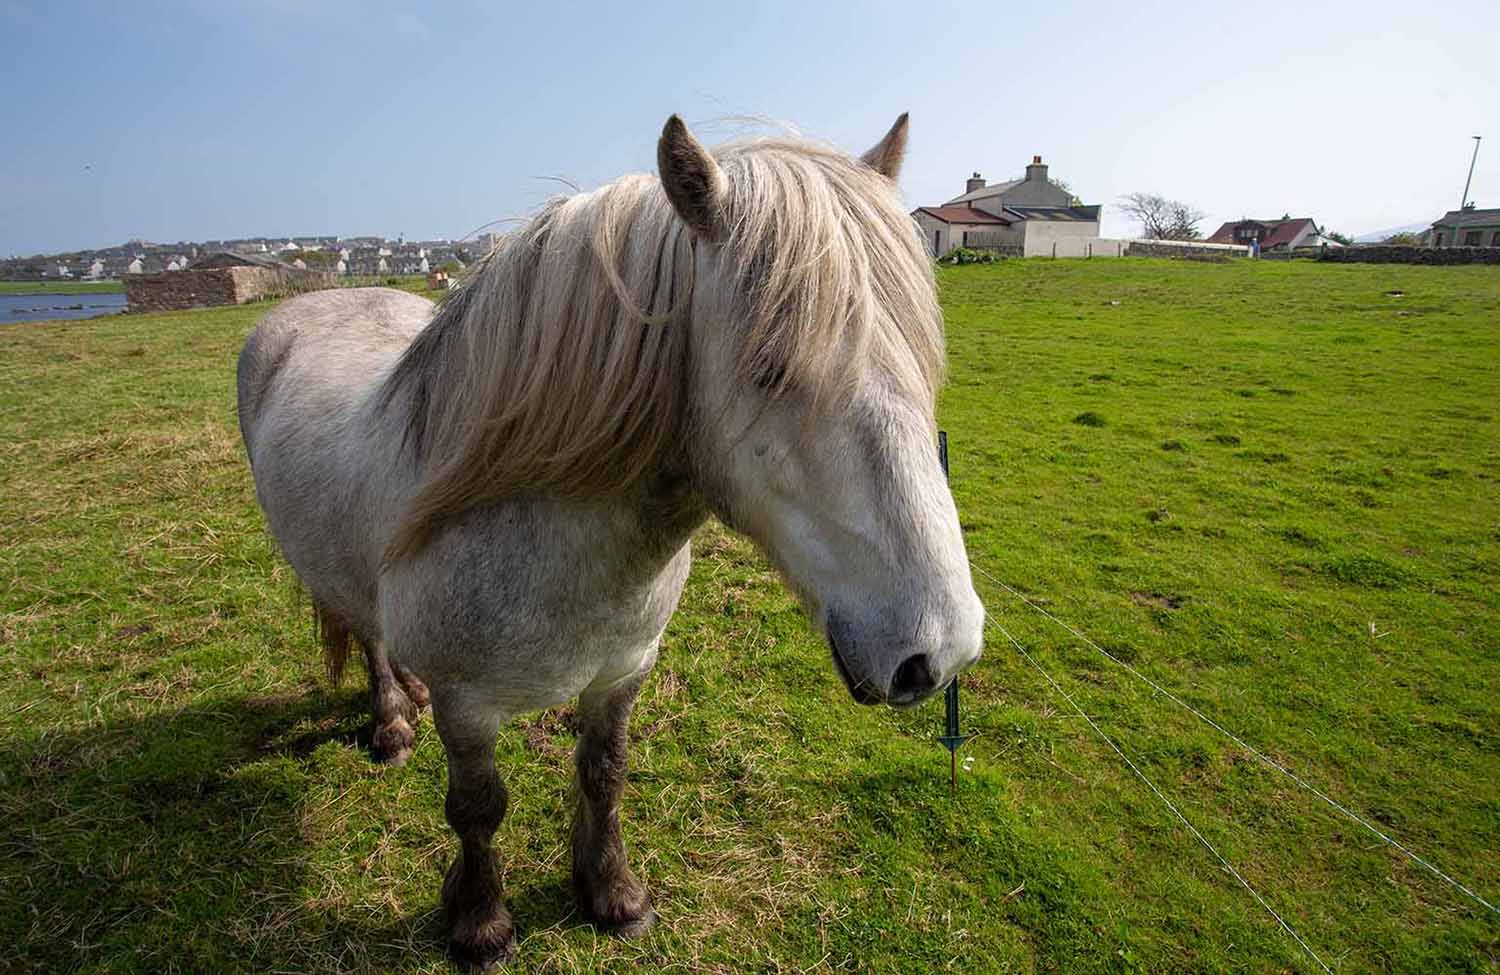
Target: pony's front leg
608,892
480,934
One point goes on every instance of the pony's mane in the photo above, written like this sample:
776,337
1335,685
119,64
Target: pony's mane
560,364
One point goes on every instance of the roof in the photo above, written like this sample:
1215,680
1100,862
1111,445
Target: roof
985,192
1281,231
952,214
1469,218
1068,214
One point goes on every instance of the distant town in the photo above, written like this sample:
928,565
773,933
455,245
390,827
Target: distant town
351,256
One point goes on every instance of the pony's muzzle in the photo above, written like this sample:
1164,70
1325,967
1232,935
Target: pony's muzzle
915,678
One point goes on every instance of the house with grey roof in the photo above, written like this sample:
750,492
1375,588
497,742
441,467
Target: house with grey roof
1468,227
1030,215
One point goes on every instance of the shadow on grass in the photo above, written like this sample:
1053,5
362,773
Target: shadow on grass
179,843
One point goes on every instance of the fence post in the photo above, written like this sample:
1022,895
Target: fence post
1054,250
952,739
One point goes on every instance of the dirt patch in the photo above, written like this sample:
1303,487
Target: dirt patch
1157,600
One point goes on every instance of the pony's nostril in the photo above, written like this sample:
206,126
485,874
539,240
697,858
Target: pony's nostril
914,678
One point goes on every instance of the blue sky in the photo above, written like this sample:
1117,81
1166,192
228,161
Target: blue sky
191,121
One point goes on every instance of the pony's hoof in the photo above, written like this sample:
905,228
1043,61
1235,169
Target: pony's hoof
483,955
622,909
392,743
635,927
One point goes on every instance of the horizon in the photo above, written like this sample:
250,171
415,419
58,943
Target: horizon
279,120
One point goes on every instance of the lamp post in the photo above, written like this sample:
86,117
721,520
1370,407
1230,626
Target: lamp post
1472,159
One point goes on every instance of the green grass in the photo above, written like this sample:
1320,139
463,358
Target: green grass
1282,506
60,287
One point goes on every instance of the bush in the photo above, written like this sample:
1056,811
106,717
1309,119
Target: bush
967,255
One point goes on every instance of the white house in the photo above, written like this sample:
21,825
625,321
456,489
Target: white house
135,267
1031,215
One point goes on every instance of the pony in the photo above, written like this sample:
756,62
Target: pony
493,497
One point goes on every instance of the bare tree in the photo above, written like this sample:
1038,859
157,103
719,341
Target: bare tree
1161,218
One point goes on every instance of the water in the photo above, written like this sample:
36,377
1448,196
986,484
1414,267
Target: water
41,308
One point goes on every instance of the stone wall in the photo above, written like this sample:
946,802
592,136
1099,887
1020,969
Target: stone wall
173,290
1395,254
1184,248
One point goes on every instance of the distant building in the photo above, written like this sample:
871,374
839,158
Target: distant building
135,267
1468,227
1274,235
1026,215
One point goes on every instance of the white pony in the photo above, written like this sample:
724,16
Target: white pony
494,497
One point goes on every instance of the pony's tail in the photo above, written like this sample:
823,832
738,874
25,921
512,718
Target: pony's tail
336,640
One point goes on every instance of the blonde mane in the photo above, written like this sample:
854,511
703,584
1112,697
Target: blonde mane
561,364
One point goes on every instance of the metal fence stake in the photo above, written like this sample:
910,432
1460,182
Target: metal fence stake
951,739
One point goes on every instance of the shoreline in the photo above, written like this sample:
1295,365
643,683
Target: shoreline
60,288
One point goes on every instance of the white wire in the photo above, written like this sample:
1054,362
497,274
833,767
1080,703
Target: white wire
1168,802
1355,817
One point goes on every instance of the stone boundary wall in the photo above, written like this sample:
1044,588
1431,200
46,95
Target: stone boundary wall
1399,254
175,290
1183,248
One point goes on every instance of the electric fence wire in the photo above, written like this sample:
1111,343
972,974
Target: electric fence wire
1165,801
1262,756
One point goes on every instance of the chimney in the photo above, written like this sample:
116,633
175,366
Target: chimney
976,182
1037,171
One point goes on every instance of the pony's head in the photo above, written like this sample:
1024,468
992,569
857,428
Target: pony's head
761,320
815,352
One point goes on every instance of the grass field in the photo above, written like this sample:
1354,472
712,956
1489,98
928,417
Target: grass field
60,287
1271,487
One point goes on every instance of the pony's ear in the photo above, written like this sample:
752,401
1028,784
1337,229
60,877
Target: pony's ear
693,181
886,155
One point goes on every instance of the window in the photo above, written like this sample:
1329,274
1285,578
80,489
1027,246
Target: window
1472,238
966,238
1495,239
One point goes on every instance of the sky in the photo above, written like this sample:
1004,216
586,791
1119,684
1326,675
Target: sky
195,121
